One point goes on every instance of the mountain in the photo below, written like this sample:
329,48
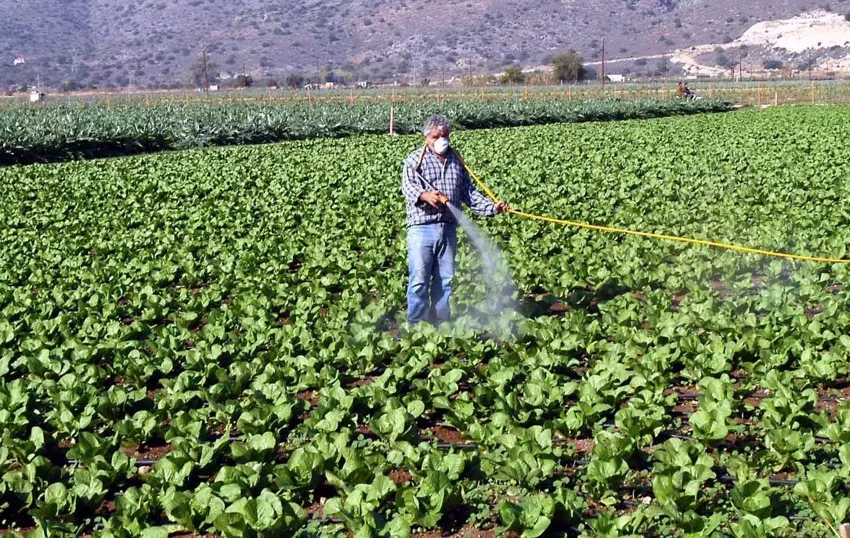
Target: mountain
156,43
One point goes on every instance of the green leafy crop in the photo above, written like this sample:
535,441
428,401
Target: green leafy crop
213,341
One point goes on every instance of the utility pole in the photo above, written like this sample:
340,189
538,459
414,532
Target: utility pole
603,63
74,61
740,63
206,75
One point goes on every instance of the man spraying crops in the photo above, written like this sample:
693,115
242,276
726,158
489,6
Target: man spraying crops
434,176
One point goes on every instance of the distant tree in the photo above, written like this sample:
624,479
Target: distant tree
806,64
568,67
847,16
196,73
425,82
513,75
772,64
294,80
69,86
723,60
243,80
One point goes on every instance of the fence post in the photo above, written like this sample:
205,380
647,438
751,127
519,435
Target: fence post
813,91
775,97
392,121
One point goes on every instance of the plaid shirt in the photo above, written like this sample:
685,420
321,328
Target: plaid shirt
448,177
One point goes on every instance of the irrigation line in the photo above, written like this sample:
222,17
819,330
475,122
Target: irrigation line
758,396
477,446
337,521
795,517
651,235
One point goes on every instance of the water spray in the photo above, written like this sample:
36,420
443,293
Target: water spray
492,260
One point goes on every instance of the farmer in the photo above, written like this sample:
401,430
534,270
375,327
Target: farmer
688,92
680,90
433,176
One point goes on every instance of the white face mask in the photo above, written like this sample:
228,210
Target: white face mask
441,145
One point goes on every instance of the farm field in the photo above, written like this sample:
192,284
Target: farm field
59,133
212,341
746,92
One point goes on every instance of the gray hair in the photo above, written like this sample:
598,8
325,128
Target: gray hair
437,121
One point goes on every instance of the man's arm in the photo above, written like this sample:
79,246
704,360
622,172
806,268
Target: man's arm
411,188
477,202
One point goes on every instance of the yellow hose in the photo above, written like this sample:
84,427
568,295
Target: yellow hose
612,229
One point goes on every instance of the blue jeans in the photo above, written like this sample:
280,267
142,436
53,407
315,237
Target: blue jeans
431,252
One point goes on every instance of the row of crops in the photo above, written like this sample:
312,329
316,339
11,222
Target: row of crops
45,134
212,341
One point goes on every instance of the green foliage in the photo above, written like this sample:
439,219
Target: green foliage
568,67
243,80
294,81
513,75
236,314
201,74
43,134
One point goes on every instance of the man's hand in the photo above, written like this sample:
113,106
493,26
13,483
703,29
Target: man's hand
502,207
433,198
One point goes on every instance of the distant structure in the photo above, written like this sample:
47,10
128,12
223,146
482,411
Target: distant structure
617,78
19,61
36,96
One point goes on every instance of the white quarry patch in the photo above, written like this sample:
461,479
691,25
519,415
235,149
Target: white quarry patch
813,30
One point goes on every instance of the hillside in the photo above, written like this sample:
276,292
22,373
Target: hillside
155,43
